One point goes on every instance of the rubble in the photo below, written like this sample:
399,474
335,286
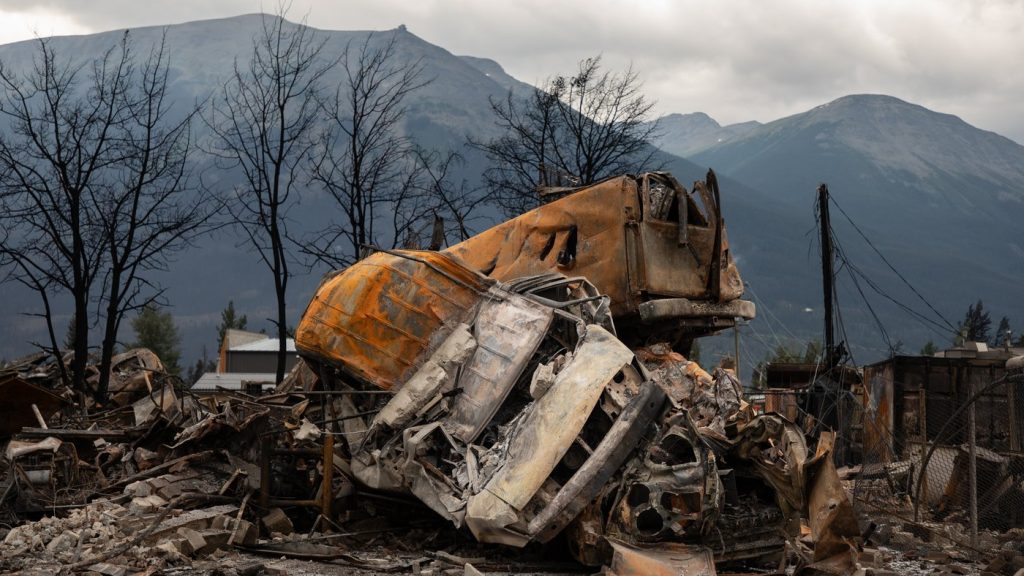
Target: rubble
526,387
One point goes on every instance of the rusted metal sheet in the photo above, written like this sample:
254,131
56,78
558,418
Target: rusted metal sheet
595,218
878,414
782,401
667,559
624,235
829,511
381,317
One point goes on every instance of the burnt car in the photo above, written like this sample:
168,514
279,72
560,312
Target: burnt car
513,403
528,383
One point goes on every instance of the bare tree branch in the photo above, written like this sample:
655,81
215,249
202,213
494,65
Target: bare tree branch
362,160
53,162
577,130
264,122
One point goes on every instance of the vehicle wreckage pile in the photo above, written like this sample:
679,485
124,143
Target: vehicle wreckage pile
526,385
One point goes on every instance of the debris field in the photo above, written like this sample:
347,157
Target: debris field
518,403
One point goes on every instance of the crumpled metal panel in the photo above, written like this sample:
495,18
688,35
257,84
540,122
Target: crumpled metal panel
382,316
438,371
777,450
673,492
508,329
606,460
546,431
829,511
530,244
612,234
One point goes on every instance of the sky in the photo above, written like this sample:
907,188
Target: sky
736,60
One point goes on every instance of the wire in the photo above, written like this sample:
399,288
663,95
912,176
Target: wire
761,304
891,267
937,328
871,310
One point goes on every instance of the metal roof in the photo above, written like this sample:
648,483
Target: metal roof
265,345
231,380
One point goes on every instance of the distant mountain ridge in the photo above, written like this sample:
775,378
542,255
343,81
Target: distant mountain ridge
941,198
688,134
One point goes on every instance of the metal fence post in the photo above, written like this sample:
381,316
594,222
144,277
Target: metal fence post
972,464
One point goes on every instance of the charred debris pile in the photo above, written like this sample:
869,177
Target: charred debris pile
518,401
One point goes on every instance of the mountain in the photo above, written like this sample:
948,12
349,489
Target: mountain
495,72
688,134
202,55
940,198
455,104
943,200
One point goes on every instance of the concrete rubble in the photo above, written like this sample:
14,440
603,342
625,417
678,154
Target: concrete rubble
462,412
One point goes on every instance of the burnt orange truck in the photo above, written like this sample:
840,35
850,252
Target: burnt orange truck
659,251
507,385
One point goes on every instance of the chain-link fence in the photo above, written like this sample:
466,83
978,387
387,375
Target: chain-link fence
942,449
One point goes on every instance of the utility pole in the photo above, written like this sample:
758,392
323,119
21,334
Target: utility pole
828,290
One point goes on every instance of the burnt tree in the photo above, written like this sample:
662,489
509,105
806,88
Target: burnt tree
363,160
575,131
150,208
63,120
455,203
264,121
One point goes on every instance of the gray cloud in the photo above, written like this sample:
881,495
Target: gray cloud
739,60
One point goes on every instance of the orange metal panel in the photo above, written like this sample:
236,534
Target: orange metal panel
381,316
624,251
530,244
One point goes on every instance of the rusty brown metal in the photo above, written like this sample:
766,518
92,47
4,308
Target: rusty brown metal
624,235
378,318
829,511
666,559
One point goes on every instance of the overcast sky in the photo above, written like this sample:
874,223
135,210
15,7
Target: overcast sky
736,60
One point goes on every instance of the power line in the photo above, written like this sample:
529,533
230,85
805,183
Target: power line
891,267
769,316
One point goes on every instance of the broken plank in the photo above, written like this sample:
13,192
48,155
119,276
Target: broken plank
72,434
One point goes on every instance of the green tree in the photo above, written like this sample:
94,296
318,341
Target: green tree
694,352
1000,337
229,320
69,334
929,349
203,365
156,330
976,324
